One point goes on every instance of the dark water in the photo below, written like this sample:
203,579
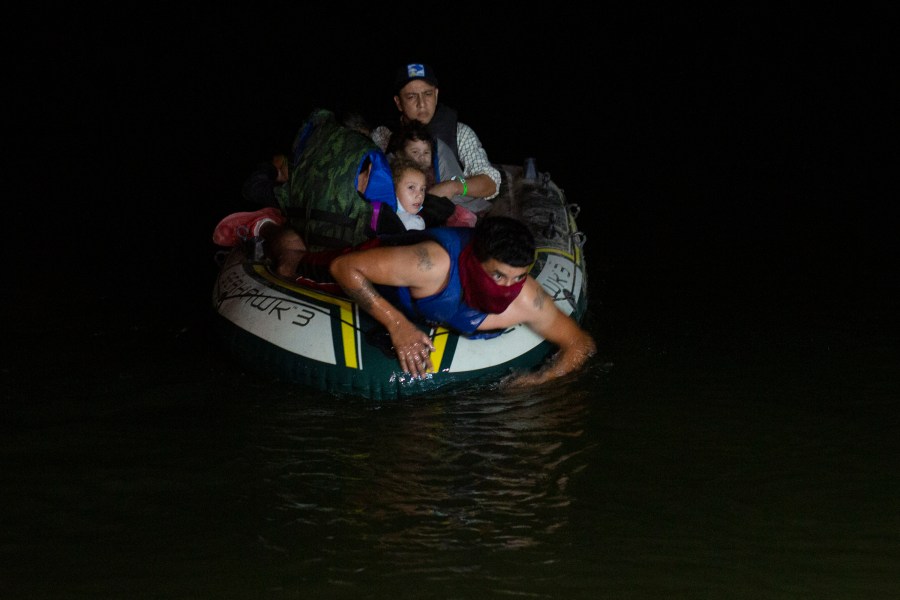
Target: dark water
732,439
735,437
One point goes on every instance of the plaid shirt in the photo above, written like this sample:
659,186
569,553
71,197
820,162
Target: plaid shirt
472,155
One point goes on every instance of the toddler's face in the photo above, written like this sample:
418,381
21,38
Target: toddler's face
419,151
410,188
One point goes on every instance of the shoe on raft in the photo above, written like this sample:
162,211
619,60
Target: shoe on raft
240,226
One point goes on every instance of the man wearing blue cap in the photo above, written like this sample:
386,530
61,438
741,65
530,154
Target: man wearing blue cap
465,173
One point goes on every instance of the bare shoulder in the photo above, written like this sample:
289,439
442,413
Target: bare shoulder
533,298
427,265
429,256
536,309
532,305
421,265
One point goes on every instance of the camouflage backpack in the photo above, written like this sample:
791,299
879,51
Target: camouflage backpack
320,197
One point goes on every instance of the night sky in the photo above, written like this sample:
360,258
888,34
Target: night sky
687,135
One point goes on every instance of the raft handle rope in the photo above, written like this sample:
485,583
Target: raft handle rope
580,238
220,256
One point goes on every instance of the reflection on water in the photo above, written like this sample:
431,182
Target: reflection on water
737,448
396,489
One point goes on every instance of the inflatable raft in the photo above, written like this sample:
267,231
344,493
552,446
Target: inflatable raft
287,332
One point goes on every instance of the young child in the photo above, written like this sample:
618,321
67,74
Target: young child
409,186
413,141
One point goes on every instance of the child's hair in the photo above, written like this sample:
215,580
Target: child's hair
410,131
400,164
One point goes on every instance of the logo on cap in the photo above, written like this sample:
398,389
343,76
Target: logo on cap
415,70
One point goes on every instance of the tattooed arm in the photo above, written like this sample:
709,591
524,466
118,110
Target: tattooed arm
421,267
536,309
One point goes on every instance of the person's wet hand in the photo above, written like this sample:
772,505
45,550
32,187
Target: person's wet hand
413,348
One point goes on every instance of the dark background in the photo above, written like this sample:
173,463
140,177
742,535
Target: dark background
736,431
746,140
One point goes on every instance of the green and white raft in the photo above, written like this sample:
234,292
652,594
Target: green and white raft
291,333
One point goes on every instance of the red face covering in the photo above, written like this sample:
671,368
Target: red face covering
480,290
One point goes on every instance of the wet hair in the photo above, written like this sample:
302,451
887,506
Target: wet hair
409,131
505,239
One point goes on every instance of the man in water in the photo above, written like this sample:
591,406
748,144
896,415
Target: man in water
469,280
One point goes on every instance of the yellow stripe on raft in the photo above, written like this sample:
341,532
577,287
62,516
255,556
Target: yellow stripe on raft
439,336
576,258
348,334
348,315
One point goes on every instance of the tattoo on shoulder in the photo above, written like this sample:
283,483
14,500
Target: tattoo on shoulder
365,296
423,259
